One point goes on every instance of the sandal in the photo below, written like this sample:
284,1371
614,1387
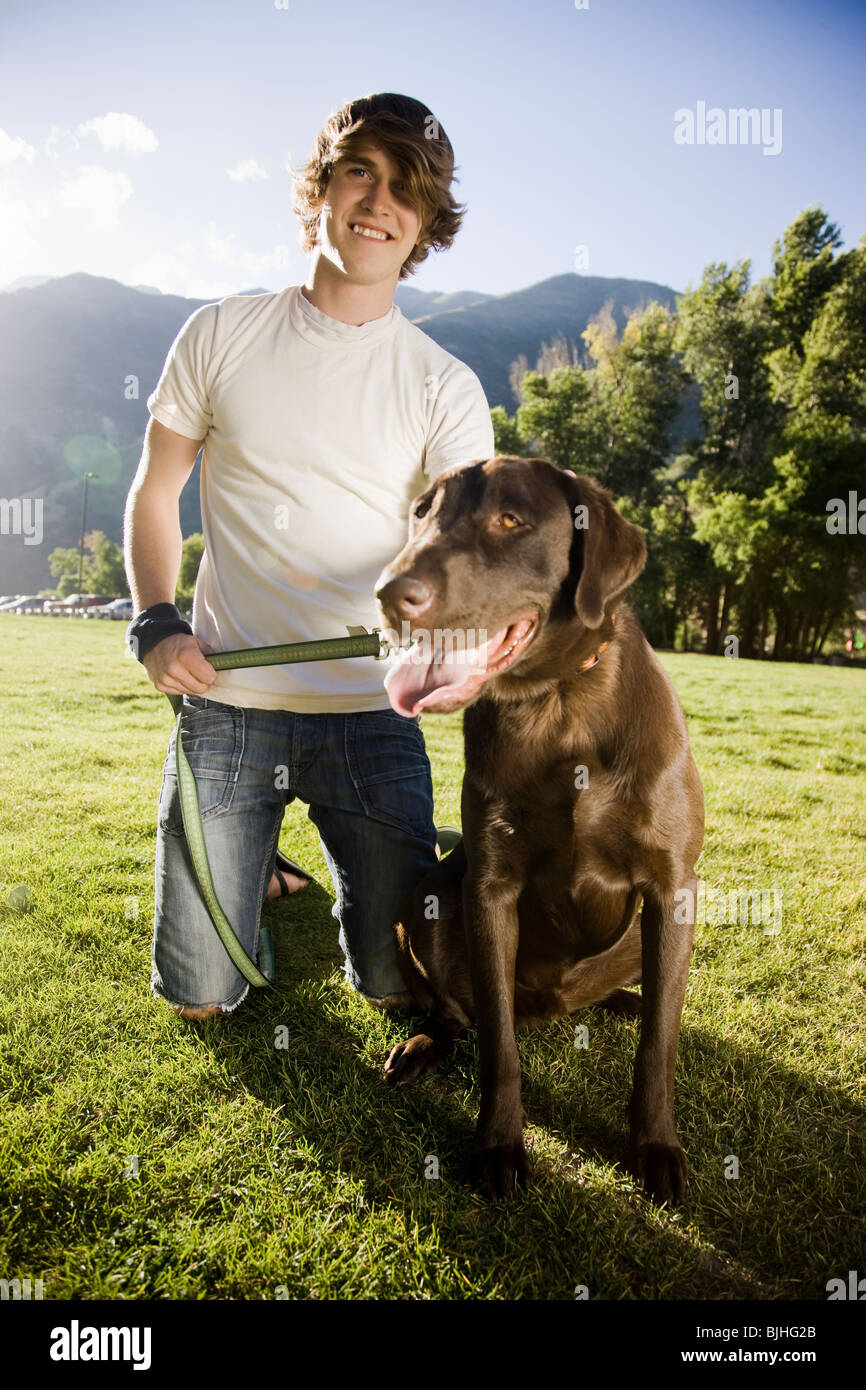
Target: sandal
290,867
282,866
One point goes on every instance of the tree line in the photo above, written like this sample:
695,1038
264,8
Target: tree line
755,518
103,570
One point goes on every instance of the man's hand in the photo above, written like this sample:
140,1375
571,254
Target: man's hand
176,665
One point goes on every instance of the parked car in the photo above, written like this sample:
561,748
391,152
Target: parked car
78,603
22,604
9,603
118,608
64,606
91,601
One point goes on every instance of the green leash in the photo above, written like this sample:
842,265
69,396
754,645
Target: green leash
369,644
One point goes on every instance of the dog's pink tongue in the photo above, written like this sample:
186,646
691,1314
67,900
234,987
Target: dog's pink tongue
414,683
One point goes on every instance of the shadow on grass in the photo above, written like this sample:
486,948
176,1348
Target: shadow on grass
780,1229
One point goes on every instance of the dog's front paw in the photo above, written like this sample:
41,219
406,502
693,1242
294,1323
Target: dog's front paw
500,1168
412,1059
663,1170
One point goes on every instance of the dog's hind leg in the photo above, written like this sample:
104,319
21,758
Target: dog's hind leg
433,960
409,1061
598,980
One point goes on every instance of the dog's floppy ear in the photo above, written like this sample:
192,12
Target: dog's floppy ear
614,551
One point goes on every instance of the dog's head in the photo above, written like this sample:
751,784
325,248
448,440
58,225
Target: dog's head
510,565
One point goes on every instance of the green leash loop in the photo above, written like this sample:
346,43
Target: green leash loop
194,830
331,648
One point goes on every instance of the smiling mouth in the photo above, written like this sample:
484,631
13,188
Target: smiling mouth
447,682
369,234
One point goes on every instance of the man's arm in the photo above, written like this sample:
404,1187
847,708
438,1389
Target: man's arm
460,429
152,554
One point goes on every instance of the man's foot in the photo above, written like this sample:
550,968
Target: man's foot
281,885
288,877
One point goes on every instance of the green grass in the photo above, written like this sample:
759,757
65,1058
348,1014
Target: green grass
261,1168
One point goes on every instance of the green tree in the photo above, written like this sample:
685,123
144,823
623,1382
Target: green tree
805,270
190,559
790,437
637,383
743,549
559,419
779,563
506,435
669,588
102,570
63,563
737,525
823,458
109,574
723,335
611,420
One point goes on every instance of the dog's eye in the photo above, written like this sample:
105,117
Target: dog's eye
423,507
508,521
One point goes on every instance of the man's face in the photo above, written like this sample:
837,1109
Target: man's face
367,192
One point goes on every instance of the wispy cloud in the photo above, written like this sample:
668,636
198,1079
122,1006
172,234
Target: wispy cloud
99,192
222,251
13,149
209,271
18,237
247,171
118,130
178,270
60,141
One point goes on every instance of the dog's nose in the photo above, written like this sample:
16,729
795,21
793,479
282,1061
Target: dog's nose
407,595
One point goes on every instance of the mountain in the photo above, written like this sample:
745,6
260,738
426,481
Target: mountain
80,354
489,336
67,348
25,282
413,303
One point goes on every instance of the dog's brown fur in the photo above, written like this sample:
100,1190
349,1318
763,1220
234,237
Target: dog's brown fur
537,908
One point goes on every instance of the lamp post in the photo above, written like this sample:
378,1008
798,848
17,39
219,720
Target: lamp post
87,477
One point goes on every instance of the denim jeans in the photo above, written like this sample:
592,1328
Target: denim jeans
366,780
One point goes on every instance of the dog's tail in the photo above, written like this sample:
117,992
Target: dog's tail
596,980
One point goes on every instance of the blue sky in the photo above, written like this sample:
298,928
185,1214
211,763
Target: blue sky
123,125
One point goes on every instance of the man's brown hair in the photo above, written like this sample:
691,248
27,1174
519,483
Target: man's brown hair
408,131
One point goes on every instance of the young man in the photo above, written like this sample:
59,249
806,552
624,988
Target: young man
323,412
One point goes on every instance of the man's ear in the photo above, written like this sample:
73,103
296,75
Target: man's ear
614,550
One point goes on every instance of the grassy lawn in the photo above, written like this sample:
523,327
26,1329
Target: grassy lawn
143,1157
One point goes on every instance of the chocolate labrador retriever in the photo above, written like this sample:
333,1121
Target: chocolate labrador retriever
581,800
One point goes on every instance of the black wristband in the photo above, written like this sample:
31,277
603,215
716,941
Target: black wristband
151,625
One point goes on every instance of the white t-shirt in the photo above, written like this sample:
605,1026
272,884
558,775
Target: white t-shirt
318,435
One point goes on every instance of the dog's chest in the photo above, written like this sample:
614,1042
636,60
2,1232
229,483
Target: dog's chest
549,812
512,753
535,770
550,818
